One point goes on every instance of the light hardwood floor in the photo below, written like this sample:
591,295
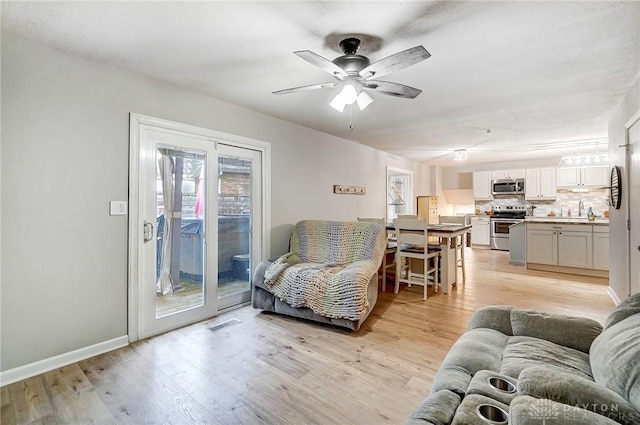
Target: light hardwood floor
270,369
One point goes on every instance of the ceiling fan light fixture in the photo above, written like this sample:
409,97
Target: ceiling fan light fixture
349,95
364,100
355,72
337,103
460,155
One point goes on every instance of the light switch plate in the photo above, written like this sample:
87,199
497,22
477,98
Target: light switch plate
117,207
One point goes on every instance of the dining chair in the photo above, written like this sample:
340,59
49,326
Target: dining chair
460,242
408,216
412,239
390,249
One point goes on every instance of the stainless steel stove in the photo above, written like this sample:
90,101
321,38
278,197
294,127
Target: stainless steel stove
502,218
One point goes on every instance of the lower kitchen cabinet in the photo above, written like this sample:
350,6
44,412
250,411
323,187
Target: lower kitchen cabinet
542,245
571,248
480,231
601,247
575,248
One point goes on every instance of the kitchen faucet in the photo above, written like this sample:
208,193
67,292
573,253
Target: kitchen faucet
580,208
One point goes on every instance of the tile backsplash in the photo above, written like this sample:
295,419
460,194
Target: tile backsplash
597,199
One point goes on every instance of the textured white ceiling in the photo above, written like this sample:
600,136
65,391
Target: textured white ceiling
543,76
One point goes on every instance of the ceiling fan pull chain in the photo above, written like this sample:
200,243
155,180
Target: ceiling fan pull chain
351,117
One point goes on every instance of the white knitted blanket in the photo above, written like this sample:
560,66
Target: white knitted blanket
329,267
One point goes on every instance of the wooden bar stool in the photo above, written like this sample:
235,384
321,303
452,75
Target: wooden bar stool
413,243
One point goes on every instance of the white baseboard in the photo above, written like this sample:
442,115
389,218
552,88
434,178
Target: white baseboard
41,366
613,296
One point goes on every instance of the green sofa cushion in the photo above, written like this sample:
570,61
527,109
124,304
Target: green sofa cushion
627,308
497,317
478,349
615,359
437,409
567,388
573,332
467,414
526,410
524,351
480,385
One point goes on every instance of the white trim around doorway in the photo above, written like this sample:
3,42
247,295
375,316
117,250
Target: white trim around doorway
137,121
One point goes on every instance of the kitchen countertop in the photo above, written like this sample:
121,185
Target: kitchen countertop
568,220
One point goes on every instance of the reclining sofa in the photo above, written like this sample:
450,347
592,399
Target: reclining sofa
329,275
529,368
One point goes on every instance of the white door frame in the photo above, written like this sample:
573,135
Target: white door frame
392,171
137,124
633,221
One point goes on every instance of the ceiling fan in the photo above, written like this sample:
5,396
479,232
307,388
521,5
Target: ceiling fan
355,74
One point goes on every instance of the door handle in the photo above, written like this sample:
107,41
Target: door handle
148,231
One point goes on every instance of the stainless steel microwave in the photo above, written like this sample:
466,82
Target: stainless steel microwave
507,187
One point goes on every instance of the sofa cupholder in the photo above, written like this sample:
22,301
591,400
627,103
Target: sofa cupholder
492,414
502,385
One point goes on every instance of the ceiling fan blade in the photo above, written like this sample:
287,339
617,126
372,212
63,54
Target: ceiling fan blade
395,62
322,63
392,89
305,88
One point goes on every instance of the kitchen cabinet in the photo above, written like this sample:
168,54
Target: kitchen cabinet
508,174
540,183
542,245
480,231
595,176
575,247
517,243
569,248
428,208
482,185
601,247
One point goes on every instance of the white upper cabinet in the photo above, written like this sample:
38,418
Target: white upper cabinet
482,185
595,176
568,177
508,174
540,183
583,176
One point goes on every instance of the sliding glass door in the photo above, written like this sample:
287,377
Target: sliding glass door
200,206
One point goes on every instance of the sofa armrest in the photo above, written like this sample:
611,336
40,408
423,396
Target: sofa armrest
569,331
437,409
576,391
497,317
526,410
258,274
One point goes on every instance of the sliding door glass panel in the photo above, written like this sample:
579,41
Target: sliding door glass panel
235,177
180,203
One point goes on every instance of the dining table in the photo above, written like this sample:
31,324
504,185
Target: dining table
447,235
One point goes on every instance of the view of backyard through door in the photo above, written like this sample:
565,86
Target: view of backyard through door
180,260
199,227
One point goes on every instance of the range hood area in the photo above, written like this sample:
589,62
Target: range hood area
458,196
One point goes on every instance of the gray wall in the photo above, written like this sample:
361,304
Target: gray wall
65,125
618,242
